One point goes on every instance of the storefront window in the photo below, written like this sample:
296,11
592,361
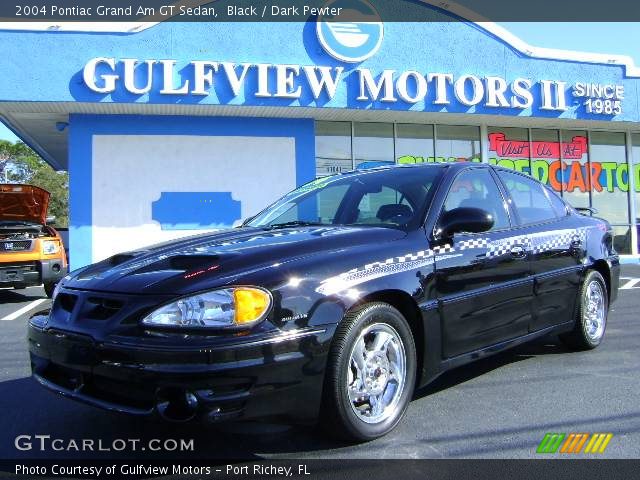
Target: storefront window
545,158
372,144
574,176
635,140
586,169
509,148
457,144
414,143
610,176
333,148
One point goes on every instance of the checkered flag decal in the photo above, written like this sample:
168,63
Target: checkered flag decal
473,243
535,243
443,249
558,240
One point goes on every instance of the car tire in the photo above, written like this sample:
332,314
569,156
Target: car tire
365,399
19,286
591,317
49,288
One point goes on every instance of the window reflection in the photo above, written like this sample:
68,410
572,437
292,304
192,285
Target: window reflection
333,148
509,148
414,143
372,142
575,176
610,176
457,143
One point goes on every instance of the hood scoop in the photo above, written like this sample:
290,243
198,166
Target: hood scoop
181,263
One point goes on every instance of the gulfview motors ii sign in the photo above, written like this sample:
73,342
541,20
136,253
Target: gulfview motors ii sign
105,75
350,31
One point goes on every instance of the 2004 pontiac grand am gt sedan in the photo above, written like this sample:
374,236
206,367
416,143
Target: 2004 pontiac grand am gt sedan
336,302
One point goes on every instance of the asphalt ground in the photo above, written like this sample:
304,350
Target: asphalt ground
499,407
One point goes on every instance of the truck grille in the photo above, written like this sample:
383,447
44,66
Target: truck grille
15,245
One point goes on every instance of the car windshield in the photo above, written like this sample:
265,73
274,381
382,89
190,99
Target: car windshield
393,197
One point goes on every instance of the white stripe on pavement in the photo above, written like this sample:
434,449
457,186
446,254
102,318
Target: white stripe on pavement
25,309
632,282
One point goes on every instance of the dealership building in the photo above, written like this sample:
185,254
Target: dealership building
172,128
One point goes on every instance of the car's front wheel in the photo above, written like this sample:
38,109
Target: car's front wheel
593,308
370,374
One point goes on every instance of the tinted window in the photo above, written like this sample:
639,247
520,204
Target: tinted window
529,198
558,205
396,197
373,203
477,188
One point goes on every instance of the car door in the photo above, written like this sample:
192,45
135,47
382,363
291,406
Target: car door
556,245
482,279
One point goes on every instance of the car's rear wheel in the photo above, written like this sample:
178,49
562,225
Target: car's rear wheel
593,308
370,374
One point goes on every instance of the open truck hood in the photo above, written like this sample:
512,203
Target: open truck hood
23,203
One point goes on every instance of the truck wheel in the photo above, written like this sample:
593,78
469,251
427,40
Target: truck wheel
49,288
370,374
591,320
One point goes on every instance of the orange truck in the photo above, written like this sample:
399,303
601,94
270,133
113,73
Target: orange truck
31,251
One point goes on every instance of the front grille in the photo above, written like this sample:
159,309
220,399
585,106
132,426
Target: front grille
102,308
66,301
15,245
23,266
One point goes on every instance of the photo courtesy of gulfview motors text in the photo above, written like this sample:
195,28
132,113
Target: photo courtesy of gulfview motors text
135,471
307,239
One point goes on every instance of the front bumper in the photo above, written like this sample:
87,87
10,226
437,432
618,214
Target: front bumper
279,375
28,273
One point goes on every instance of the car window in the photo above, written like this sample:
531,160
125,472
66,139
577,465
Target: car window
394,197
557,203
529,198
386,206
476,188
320,208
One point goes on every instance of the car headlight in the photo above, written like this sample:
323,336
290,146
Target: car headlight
49,247
227,307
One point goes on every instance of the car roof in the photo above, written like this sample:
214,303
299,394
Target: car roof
449,165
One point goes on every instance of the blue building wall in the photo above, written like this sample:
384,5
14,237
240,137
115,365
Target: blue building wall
83,129
47,66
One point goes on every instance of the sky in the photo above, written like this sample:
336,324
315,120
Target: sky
614,38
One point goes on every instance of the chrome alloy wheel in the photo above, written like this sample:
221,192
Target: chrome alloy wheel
594,311
377,373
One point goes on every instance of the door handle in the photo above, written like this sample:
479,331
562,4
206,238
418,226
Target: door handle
518,251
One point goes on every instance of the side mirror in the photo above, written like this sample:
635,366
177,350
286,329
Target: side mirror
464,219
51,220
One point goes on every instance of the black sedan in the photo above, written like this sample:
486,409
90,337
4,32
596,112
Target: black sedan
335,302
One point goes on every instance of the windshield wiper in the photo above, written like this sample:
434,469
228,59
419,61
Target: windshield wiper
294,223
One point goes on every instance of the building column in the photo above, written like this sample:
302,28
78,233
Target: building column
632,193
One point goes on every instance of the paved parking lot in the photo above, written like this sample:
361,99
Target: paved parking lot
500,407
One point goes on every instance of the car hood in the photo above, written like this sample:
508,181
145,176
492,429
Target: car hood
23,203
207,261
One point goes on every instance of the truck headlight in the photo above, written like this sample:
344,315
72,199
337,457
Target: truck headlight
223,308
49,247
